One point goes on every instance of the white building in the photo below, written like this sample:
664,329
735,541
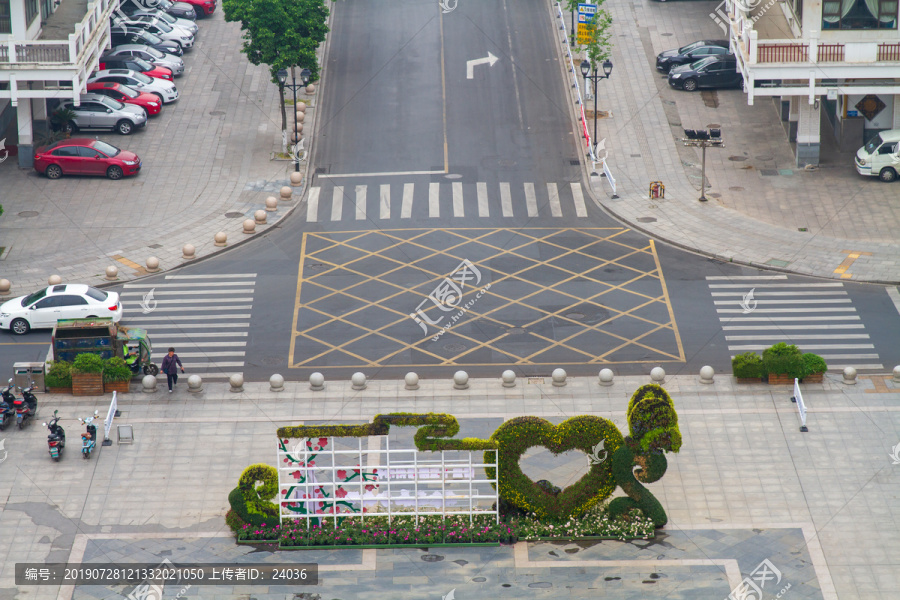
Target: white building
47,50
830,63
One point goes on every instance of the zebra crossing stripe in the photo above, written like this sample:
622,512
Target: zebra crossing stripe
506,199
337,202
312,205
406,207
553,193
530,200
385,204
483,210
361,202
458,208
580,208
434,200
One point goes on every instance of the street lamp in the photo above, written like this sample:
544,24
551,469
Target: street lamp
607,70
281,75
703,138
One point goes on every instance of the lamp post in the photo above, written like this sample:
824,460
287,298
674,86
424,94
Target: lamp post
304,80
703,138
607,70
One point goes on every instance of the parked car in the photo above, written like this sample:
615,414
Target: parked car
96,111
85,156
122,34
151,55
159,28
203,8
181,10
710,72
43,308
135,64
164,90
127,95
880,157
186,24
690,53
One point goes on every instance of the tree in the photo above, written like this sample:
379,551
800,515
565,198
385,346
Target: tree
599,48
280,34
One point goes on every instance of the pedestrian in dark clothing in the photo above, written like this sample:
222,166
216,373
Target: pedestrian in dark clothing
170,364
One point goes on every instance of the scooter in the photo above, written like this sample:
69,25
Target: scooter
88,439
56,441
26,406
6,407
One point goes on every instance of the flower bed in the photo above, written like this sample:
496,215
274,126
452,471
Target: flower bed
433,531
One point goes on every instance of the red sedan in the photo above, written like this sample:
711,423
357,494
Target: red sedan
84,156
127,95
136,64
203,8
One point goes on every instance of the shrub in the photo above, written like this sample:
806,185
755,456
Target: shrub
813,363
59,375
257,500
87,363
783,359
234,521
115,369
747,366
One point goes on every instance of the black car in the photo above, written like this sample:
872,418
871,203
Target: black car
121,34
690,53
710,72
180,10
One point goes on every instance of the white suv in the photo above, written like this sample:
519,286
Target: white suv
164,90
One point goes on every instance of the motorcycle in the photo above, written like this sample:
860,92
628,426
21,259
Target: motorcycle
56,441
6,407
26,406
88,439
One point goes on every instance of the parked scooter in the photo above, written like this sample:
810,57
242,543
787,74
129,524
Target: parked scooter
56,441
88,439
26,406
7,412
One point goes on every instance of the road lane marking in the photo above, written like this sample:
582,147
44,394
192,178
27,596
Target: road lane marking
458,209
553,193
382,174
530,200
765,293
227,276
894,295
791,319
788,301
361,202
312,205
195,301
580,208
190,318
743,277
168,292
810,347
434,199
506,199
337,202
787,327
774,285
385,212
406,207
786,310
159,286
791,337
483,210
169,334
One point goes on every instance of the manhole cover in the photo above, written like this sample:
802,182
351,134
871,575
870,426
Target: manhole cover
764,157
29,213
575,316
540,584
666,34
713,126
479,579
272,360
217,113
714,195
768,172
736,188
635,155
737,158
454,347
515,331
317,266
155,246
453,176
432,557
234,215
647,219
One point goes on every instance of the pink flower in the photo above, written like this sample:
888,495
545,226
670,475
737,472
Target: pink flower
370,487
323,441
341,474
297,474
340,492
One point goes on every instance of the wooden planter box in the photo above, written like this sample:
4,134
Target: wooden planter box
123,387
87,384
814,378
780,379
59,390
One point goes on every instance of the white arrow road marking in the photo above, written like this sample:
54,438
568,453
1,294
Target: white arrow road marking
490,59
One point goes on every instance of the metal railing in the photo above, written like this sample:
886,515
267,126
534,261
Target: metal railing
889,52
782,53
831,53
58,51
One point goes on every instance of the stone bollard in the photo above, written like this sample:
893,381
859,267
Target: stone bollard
317,382
249,226
54,280
187,252
508,377
412,381
260,217
296,137
460,380
301,107
286,194
311,89
358,381
276,383
149,384
849,376
298,127
296,178
221,239
896,371
236,382
559,377
706,374
112,273
152,264
195,384
301,116
658,375
271,204
606,377
5,285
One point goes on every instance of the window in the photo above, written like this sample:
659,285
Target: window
34,297
98,295
51,302
66,151
5,23
31,11
859,14
71,301
85,152
887,149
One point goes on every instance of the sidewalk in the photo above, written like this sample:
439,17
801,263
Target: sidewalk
763,210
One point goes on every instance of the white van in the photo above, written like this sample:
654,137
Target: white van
881,156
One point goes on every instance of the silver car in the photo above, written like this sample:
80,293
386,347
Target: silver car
151,55
185,24
159,28
101,112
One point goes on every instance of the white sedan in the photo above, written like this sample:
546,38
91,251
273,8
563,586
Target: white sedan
45,307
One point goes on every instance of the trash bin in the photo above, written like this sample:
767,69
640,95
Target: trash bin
26,372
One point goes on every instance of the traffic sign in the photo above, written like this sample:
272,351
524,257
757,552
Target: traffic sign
586,14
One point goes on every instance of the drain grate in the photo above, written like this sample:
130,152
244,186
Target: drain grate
647,219
737,158
764,157
574,162
454,347
515,331
736,188
768,172
635,155
234,215
321,170
216,113
29,213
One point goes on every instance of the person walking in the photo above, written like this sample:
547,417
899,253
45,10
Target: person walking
170,364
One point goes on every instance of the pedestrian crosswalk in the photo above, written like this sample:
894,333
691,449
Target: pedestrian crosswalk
206,318
759,311
435,200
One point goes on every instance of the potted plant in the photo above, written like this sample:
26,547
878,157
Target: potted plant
87,375
747,367
59,377
116,376
782,363
63,120
814,368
